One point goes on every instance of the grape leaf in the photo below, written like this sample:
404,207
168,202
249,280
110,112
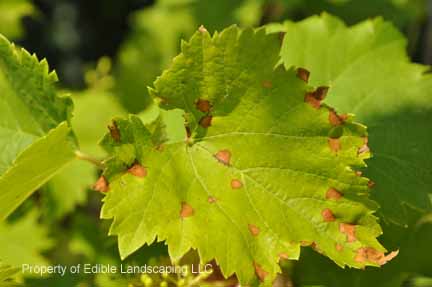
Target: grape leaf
260,170
155,40
23,241
12,13
34,133
369,73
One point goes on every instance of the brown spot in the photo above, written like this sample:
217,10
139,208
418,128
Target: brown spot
334,144
260,272
339,247
363,149
316,248
101,184
202,29
358,173
369,254
314,98
254,230
188,131
223,156
236,184
349,230
311,100
305,243
138,170
267,84
211,199
335,119
371,184
303,74
283,255
205,121
203,105
320,93
332,193
114,131
327,215
186,210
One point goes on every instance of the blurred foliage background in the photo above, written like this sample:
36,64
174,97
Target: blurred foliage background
106,53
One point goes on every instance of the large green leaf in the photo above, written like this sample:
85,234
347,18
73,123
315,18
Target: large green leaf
156,36
23,241
34,132
369,73
259,171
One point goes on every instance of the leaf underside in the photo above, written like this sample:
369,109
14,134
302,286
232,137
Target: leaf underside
261,171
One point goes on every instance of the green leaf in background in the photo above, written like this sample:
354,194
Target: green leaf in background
34,134
93,109
404,14
370,75
156,37
261,171
12,13
22,241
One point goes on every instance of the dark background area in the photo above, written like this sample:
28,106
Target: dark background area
73,33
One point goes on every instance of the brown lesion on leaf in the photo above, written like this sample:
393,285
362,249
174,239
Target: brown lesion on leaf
101,185
315,247
203,105
267,84
236,184
358,173
186,210
253,229
211,199
138,170
349,231
260,272
223,156
205,121
369,254
316,97
339,247
327,215
333,194
305,243
364,148
371,184
334,144
303,74
202,29
283,256
114,131
335,119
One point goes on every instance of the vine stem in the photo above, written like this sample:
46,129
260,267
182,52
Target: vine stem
82,156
